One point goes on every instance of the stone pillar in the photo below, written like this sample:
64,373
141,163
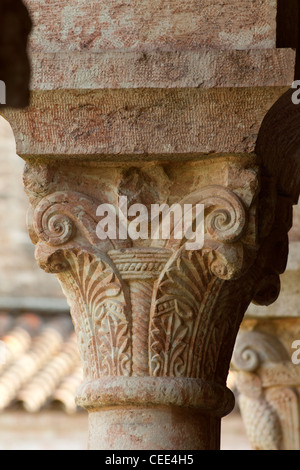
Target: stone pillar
153,110
156,323
268,381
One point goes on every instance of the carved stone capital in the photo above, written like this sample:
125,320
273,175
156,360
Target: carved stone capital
268,383
156,322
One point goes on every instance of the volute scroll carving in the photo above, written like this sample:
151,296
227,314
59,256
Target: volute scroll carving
151,308
268,384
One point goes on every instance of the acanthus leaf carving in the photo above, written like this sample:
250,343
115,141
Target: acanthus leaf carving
100,311
268,385
145,310
178,311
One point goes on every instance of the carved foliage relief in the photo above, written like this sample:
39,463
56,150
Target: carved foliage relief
152,308
269,385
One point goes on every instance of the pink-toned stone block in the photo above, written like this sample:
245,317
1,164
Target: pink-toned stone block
207,68
143,122
147,25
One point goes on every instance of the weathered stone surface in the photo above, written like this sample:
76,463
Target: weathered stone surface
147,25
142,122
156,323
152,428
15,26
206,68
269,382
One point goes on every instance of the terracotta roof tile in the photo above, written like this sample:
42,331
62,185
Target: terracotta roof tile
65,393
42,365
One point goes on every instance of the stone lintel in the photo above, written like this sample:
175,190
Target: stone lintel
140,122
147,25
203,68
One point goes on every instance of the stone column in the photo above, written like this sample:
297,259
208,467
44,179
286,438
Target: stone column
156,323
156,108
268,381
